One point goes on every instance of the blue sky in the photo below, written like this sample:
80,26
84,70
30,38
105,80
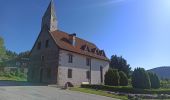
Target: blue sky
138,30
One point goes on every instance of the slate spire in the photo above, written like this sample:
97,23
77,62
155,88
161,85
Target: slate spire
49,19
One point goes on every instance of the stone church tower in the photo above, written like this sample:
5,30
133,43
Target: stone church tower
49,19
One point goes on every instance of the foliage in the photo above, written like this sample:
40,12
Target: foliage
165,84
99,92
121,64
127,89
24,54
123,79
109,77
17,73
11,54
112,77
155,82
140,79
2,47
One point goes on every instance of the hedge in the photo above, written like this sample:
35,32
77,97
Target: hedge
127,89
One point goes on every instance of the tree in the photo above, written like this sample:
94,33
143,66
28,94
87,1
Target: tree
123,81
109,77
121,64
24,54
2,48
11,54
116,77
155,82
112,77
140,79
2,52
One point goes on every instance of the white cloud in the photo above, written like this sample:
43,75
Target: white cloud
110,2
106,3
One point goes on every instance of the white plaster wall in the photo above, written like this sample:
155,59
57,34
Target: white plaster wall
95,74
79,69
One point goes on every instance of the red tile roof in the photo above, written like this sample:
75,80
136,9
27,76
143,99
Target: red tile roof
81,46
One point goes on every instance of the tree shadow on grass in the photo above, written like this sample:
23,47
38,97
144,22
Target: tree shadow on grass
19,83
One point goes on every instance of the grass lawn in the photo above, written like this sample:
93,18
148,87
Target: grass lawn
13,78
98,92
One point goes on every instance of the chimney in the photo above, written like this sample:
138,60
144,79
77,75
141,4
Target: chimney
72,38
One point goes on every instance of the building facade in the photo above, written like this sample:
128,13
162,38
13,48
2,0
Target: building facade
59,58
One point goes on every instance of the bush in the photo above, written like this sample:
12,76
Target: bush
112,77
116,77
109,77
127,89
155,82
123,81
140,79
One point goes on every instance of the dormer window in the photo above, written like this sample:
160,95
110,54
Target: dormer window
85,48
39,46
47,44
102,53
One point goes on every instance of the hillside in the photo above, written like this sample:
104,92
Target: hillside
162,72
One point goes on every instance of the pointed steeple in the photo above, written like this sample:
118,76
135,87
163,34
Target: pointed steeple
49,19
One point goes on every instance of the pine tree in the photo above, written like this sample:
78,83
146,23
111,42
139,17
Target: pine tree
109,77
120,64
155,82
112,77
140,79
116,77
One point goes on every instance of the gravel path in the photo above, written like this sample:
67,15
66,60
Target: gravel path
44,93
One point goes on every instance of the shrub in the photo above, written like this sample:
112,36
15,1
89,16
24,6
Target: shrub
155,82
123,81
109,77
112,77
140,79
116,77
127,89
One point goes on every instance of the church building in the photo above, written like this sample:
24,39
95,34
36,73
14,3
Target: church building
58,57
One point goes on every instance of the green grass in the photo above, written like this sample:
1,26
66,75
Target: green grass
98,92
12,78
127,89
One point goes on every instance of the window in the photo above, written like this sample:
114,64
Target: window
47,44
69,73
101,74
39,46
88,61
70,59
42,58
48,73
88,74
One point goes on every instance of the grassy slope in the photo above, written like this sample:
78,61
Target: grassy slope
98,92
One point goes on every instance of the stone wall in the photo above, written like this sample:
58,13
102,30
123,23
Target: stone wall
38,67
